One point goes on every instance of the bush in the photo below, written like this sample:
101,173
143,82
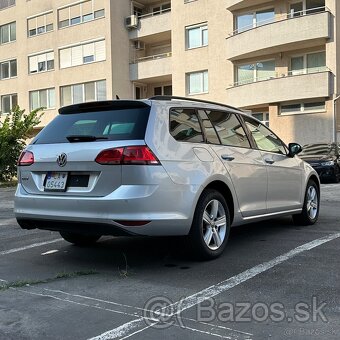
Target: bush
15,128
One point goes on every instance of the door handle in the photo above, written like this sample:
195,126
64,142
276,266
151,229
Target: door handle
227,158
269,161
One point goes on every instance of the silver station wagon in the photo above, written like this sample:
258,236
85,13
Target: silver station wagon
160,167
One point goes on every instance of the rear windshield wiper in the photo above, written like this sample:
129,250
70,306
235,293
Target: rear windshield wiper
83,138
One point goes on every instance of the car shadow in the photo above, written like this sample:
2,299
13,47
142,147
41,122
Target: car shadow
123,253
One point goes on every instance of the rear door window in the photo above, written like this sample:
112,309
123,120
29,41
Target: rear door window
113,125
185,126
229,129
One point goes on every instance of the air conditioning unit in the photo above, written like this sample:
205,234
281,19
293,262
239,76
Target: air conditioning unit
131,21
139,45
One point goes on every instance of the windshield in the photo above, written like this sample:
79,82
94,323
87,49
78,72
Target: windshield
126,124
318,149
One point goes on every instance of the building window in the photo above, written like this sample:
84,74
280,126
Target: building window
6,3
80,13
41,62
8,102
86,92
197,36
163,90
258,71
42,98
40,24
263,117
8,69
296,108
198,82
251,20
8,33
306,7
308,63
166,7
82,54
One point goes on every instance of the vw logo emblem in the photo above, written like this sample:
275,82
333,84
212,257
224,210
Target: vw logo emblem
62,159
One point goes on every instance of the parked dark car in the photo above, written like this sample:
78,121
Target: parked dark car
324,158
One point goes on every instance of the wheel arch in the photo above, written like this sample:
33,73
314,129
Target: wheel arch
314,178
223,188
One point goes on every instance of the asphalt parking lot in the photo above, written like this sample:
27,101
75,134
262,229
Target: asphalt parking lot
274,281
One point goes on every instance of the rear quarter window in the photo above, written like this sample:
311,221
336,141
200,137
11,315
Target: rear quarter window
185,126
112,125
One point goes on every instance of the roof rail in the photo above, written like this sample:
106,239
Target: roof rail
192,100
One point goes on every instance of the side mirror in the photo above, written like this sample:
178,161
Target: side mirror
294,149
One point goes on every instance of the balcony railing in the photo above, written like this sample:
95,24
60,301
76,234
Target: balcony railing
281,89
281,17
151,14
152,57
278,75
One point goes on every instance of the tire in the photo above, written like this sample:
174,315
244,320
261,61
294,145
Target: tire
79,239
311,206
207,239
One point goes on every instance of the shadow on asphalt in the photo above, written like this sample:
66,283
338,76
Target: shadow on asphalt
169,252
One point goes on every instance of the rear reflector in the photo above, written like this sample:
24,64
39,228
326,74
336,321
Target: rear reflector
133,155
26,158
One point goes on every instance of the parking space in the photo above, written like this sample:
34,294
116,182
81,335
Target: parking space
274,281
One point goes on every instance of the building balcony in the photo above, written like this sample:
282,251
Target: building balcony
284,34
154,66
282,89
234,5
151,23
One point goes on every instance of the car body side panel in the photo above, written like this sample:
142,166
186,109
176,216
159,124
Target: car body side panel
244,166
284,182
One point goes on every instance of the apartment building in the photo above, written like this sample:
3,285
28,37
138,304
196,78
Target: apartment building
285,62
55,53
277,59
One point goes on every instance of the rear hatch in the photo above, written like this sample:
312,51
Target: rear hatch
61,160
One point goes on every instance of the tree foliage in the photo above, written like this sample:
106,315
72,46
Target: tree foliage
15,128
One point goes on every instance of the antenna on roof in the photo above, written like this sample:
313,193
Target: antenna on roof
117,97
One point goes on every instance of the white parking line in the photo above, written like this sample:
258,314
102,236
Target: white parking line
34,245
204,328
227,332
136,326
8,221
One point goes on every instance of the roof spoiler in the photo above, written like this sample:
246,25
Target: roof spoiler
107,105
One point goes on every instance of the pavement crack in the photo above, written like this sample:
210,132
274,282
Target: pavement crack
58,276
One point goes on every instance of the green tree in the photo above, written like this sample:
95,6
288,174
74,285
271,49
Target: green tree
15,128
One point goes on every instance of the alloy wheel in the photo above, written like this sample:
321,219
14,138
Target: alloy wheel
312,202
214,224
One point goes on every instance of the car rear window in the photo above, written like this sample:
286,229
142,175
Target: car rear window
112,125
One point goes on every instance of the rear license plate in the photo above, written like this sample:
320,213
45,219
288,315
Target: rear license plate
55,181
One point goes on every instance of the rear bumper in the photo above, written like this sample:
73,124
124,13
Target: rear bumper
168,207
76,227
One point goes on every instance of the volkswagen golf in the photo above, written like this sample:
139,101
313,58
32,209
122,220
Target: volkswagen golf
160,167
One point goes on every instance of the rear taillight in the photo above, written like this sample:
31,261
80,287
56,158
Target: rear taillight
110,156
133,155
26,158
